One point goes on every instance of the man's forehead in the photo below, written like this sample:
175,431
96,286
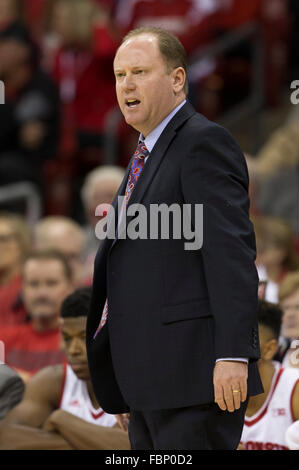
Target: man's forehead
43,265
141,46
75,324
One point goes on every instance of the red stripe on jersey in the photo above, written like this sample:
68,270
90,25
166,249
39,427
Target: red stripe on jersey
97,415
264,411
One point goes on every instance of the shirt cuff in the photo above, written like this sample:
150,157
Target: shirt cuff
237,359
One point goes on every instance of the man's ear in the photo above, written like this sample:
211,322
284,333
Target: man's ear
178,79
269,349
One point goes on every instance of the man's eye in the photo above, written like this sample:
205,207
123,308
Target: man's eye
119,75
138,71
33,284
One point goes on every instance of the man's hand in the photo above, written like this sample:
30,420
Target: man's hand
230,384
50,424
123,421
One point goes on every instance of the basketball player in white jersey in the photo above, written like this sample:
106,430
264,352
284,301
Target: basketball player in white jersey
269,415
289,302
59,409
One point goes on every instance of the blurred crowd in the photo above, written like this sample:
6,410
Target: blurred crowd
56,61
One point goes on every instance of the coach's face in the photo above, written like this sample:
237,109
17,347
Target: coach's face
146,90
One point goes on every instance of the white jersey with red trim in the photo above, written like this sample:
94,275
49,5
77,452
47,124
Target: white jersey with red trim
266,429
75,399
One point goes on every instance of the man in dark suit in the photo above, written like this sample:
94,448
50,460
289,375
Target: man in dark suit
177,344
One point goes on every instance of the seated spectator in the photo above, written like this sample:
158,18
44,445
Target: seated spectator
11,389
276,255
274,171
100,186
11,12
29,119
64,235
289,302
194,21
82,69
15,243
47,280
269,414
59,409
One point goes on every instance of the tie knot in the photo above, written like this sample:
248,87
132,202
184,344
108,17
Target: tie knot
141,151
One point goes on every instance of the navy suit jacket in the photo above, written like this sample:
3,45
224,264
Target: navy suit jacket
172,311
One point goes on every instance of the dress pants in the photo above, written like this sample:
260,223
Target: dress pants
202,427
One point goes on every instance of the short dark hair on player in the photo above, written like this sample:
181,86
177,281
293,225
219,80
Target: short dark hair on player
270,315
77,303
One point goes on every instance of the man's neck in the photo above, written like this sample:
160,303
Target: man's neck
266,370
92,394
46,324
177,102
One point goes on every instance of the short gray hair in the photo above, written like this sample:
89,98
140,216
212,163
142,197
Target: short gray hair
105,173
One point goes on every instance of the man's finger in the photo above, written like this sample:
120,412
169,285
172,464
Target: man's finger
243,388
236,391
219,399
228,397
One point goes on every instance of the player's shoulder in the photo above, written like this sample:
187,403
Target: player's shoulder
47,382
290,373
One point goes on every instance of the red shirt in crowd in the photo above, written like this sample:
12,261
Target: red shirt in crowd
28,351
193,21
86,81
12,311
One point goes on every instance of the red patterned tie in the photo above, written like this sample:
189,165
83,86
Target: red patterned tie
137,164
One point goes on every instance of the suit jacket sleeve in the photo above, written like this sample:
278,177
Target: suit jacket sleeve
214,173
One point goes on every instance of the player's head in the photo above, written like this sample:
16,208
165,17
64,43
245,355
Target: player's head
47,280
150,73
269,323
74,311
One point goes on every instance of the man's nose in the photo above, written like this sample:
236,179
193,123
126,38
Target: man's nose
74,347
128,82
41,290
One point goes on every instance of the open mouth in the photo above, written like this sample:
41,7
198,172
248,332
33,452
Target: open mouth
132,103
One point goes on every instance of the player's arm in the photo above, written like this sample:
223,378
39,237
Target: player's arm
41,397
20,437
82,435
21,427
295,402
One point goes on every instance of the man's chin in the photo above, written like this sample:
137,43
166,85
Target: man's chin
81,372
133,121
